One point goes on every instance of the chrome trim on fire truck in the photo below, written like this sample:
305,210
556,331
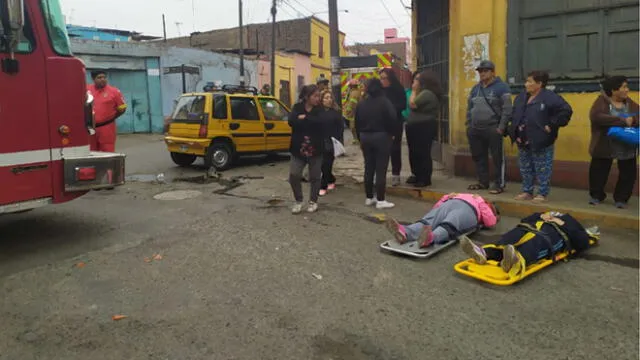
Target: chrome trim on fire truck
24,206
109,169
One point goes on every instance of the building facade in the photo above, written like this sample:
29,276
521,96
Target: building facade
135,70
578,42
306,35
103,34
399,46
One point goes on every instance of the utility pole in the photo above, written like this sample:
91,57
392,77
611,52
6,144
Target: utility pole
241,44
164,29
274,11
334,36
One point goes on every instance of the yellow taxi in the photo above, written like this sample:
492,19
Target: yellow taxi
224,124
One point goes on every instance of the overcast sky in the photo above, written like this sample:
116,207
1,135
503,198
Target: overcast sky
364,22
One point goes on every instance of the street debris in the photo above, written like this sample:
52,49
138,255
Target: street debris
157,257
317,276
154,257
118,317
80,265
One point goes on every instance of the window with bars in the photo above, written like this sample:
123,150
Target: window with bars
574,40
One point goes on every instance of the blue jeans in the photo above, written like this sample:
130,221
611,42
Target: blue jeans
536,165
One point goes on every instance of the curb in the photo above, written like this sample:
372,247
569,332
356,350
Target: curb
520,209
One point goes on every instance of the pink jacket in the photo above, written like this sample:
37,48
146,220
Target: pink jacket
486,216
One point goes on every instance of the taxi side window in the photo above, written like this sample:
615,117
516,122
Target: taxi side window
273,110
220,107
243,108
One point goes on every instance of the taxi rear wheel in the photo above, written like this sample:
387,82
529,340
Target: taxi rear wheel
183,159
219,156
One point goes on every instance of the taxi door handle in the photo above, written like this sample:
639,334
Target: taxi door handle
234,126
269,126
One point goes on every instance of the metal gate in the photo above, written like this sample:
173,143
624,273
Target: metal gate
432,45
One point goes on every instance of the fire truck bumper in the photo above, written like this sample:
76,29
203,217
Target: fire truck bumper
97,170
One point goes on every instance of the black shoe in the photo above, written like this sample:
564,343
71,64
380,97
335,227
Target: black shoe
421,184
412,180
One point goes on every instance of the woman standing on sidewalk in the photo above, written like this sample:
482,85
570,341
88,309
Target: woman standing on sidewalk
422,126
376,123
538,114
333,127
394,91
307,142
612,108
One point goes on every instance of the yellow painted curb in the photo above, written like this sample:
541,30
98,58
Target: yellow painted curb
515,208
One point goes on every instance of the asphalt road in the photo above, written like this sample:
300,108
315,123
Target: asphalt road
239,277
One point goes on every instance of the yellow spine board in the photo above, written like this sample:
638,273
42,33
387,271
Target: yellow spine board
492,273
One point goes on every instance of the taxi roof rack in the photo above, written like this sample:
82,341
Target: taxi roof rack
235,89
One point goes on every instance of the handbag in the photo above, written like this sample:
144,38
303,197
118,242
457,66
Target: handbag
338,148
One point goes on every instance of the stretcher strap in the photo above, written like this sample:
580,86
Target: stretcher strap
535,230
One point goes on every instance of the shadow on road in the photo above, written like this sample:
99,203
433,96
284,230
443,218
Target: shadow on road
41,237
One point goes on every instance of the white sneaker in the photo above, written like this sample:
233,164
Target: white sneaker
395,180
297,208
313,207
384,205
370,202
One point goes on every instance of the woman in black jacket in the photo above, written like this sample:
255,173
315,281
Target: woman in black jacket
376,123
307,146
333,127
394,91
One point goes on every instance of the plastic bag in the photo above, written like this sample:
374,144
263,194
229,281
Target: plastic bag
627,135
338,148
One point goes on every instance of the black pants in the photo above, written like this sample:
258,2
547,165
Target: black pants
327,169
482,142
396,150
375,148
420,138
599,174
533,250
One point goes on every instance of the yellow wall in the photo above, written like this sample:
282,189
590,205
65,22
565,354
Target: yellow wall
285,71
322,65
467,18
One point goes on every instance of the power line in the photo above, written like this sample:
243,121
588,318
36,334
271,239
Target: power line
293,8
391,16
304,7
406,8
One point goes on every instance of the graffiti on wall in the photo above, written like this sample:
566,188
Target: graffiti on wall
476,49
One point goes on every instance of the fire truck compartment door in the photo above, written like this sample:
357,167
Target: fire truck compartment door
98,170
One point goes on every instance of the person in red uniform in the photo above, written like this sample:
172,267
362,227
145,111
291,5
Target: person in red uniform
108,105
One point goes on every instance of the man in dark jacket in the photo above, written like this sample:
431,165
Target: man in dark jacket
488,112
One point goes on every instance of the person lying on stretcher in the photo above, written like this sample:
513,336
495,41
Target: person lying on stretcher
453,215
538,236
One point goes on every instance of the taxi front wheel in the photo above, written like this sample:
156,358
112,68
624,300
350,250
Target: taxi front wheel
220,156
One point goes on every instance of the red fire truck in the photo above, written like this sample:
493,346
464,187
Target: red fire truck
46,117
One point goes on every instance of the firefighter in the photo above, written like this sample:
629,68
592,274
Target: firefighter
353,98
108,105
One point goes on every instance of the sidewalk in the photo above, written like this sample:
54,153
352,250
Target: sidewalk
570,201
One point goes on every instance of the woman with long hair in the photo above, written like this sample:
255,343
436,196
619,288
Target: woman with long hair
376,123
394,91
422,126
307,146
333,127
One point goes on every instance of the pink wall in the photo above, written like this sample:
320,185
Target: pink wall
302,64
264,73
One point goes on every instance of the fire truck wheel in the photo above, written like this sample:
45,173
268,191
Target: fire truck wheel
220,156
183,159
